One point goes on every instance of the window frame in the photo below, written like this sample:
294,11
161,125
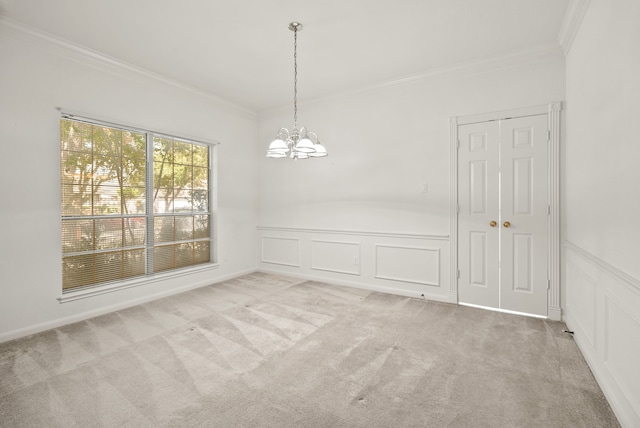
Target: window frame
147,277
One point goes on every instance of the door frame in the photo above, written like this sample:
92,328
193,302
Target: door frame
552,110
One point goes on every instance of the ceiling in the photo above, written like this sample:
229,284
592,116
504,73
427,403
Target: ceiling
241,50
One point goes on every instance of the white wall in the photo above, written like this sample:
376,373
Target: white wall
384,143
36,75
601,262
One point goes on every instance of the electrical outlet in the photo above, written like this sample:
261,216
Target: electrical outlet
424,188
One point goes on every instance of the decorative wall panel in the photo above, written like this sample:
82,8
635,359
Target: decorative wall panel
281,251
336,256
408,264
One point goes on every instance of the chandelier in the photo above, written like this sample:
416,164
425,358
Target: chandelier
297,143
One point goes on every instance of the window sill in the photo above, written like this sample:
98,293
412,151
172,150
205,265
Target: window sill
91,291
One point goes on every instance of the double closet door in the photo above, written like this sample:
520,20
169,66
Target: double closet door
503,219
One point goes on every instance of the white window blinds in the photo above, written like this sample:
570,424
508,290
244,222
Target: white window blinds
133,203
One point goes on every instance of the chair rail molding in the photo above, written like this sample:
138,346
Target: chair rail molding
605,266
354,232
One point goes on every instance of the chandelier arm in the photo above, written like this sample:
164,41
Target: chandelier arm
315,136
283,132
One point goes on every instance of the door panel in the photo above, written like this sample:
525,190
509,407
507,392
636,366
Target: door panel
522,186
478,259
524,202
479,203
523,262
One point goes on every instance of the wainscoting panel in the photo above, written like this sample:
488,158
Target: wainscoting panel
336,256
602,309
281,251
620,357
408,264
581,287
415,265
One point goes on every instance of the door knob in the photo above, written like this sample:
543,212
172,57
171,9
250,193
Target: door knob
493,223
506,224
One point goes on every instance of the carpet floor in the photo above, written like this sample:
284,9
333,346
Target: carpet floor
263,350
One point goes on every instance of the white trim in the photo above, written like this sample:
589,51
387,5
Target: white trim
554,307
571,23
552,110
619,275
554,314
453,209
355,233
213,203
59,322
73,50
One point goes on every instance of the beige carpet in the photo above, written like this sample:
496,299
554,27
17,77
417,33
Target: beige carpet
270,351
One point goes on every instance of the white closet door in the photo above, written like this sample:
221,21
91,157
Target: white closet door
478,198
524,207
503,220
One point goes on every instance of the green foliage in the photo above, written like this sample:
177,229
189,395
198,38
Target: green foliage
103,173
103,170
181,178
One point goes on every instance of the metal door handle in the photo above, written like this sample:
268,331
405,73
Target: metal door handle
493,223
506,224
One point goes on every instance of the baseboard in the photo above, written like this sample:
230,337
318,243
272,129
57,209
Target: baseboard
367,286
48,325
554,314
615,396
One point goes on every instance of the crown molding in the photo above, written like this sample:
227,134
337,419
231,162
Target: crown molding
12,29
571,23
458,70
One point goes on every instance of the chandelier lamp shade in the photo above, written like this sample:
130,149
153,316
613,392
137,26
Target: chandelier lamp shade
296,143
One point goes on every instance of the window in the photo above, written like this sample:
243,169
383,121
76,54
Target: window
133,203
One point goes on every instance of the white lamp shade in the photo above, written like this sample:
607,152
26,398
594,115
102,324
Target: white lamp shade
276,154
278,145
320,151
305,145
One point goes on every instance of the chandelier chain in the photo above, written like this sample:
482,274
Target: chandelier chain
295,77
